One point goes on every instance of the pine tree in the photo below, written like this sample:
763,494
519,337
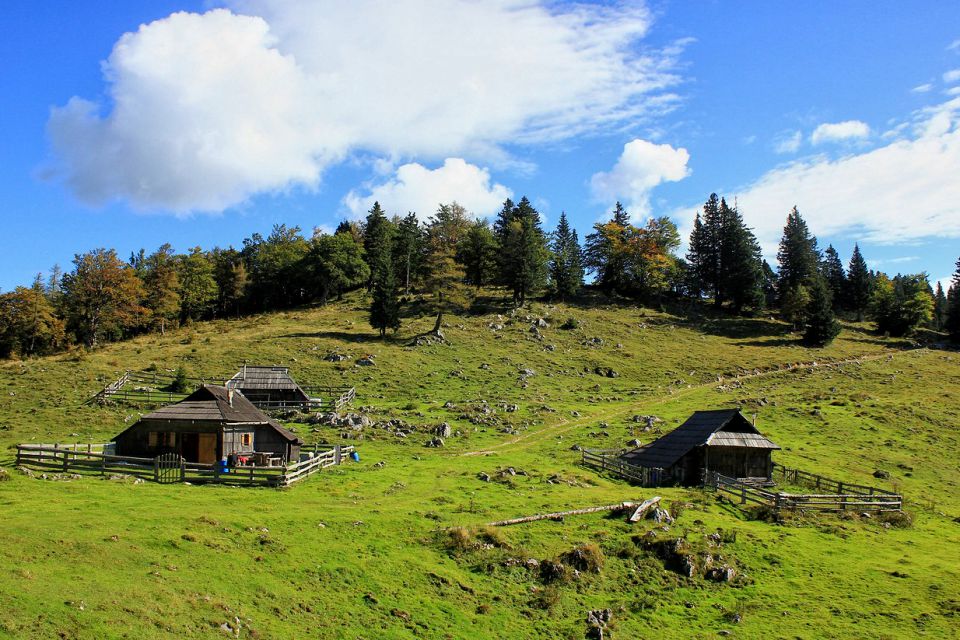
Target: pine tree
953,306
444,275
821,324
477,252
698,247
378,245
384,306
859,284
798,256
566,263
832,270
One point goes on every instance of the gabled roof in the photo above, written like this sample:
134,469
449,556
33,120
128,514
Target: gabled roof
263,378
717,428
213,404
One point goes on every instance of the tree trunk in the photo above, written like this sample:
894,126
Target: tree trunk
436,326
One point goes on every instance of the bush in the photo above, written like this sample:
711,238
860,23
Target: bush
458,540
899,519
586,558
570,324
180,383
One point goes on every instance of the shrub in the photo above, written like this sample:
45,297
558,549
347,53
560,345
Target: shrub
458,540
180,384
585,557
570,324
899,519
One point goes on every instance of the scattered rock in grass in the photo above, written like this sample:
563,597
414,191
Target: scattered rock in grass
882,475
576,447
721,574
575,414
443,430
607,372
634,443
435,442
335,357
597,623
380,465
484,366
4,475
483,476
400,613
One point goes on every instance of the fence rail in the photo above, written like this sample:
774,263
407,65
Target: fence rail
94,458
860,498
609,460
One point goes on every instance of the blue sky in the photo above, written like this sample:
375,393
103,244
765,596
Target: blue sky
216,120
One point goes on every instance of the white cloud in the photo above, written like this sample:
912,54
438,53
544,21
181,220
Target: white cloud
415,188
641,167
951,76
207,110
788,142
902,192
954,46
922,88
840,131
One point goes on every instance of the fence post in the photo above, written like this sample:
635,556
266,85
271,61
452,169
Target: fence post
156,469
839,487
66,460
18,455
743,495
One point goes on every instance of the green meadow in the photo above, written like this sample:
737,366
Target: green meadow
394,546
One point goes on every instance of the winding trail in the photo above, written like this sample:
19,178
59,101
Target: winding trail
567,424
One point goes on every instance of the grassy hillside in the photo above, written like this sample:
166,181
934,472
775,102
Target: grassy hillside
364,550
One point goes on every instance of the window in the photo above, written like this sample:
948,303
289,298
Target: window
161,439
246,440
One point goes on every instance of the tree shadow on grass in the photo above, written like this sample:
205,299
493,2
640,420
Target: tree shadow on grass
348,336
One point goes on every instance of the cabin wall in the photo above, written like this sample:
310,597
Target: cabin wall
268,440
240,440
740,462
138,442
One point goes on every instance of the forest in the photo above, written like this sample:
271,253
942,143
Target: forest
445,260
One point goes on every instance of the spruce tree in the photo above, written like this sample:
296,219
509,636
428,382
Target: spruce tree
566,263
832,270
821,324
384,305
162,285
859,284
939,309
953,306
444,275
798,256
477,252
523,252
697,257
408,250
741,264
607,252
378,244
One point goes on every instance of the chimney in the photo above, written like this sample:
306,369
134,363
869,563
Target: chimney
230,397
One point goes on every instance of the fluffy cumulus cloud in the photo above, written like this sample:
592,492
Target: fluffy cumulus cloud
205,110
840,131
642,166
904,191
416,188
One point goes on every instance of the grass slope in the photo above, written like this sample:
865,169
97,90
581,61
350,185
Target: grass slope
361,551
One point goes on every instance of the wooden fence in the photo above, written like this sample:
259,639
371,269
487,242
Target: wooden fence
609,460
99,459
856,498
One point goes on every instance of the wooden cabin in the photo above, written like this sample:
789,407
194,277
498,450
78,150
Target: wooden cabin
268,387
721,440
209,425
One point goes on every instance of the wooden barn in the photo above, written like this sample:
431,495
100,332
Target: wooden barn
269,387
209,425
720,440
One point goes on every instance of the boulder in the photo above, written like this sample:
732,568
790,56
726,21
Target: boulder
366,362
882,475
435,442
443,430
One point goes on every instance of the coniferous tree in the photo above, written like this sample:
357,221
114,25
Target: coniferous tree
28,323
859,284
821,324
566,263
477,252
607,252
444,275
698,249
836,279
939,320
523,252
741,265
953,306
378,245
408,250
161,284
798,256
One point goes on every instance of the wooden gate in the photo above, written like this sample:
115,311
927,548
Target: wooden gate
168,468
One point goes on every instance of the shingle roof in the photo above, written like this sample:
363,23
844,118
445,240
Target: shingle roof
211,403
717,428
263,378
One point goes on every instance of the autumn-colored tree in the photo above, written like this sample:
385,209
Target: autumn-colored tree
28,325
101,297
161,283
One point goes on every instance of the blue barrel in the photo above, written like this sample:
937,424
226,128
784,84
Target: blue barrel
355,456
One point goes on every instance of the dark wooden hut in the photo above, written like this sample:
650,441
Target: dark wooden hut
721,440
268,387
209,425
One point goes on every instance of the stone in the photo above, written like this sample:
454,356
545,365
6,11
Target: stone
882,475
435,442
484,366
366,362
575,413
485,477
335,357
495,326
380,465
634,443
443,430
543,324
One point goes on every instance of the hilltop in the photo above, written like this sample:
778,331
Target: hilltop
363,550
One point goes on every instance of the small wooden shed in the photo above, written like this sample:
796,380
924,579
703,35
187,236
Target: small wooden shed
268,387
208,425
721,440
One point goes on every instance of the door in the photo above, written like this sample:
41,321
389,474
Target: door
207,448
